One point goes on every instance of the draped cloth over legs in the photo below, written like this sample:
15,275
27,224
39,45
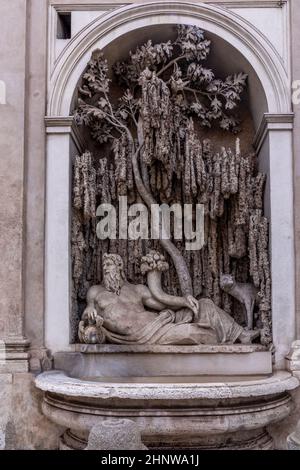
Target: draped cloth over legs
178,328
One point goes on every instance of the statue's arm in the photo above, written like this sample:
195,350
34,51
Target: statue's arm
171,301
150,301
90,310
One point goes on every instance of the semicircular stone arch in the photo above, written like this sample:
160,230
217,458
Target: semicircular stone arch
272,81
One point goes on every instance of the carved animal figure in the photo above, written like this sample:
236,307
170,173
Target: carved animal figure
245,293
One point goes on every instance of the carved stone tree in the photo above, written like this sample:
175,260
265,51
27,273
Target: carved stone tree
151,152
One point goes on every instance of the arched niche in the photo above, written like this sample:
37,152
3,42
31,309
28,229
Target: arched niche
237,46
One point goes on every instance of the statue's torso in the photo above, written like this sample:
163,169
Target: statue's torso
124,313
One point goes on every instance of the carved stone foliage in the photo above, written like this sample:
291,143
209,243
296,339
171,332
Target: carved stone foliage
146,146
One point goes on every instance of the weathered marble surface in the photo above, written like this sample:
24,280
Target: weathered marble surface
118,434
21,420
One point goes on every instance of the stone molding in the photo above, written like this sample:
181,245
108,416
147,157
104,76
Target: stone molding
173,349
71,6
65,125
269,122
16,357
67,7
59,383
252,4
54,123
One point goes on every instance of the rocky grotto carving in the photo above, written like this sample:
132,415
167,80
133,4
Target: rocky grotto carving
146,145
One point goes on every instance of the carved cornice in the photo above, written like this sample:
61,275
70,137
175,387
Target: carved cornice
56,124
278,122
14,354
65,125
89,6
252,4
67,7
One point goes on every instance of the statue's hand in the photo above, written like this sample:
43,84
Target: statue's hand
193,304
91,314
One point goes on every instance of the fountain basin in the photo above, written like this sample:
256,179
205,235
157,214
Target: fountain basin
171,412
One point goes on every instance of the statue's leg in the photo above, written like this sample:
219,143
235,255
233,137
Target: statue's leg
188,334
185,315
227,330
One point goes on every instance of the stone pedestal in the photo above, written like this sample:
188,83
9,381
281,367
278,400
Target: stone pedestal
109,360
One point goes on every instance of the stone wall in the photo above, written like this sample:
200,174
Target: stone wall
24,425
13,68
295,42
280,431
23,36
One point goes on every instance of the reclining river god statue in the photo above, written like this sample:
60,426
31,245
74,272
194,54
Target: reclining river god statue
122,313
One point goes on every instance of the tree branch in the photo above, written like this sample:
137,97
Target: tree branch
197,92
172,62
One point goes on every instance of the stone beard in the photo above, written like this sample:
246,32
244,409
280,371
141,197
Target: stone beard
113,273
112,282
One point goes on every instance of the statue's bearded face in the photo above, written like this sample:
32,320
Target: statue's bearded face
113,273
